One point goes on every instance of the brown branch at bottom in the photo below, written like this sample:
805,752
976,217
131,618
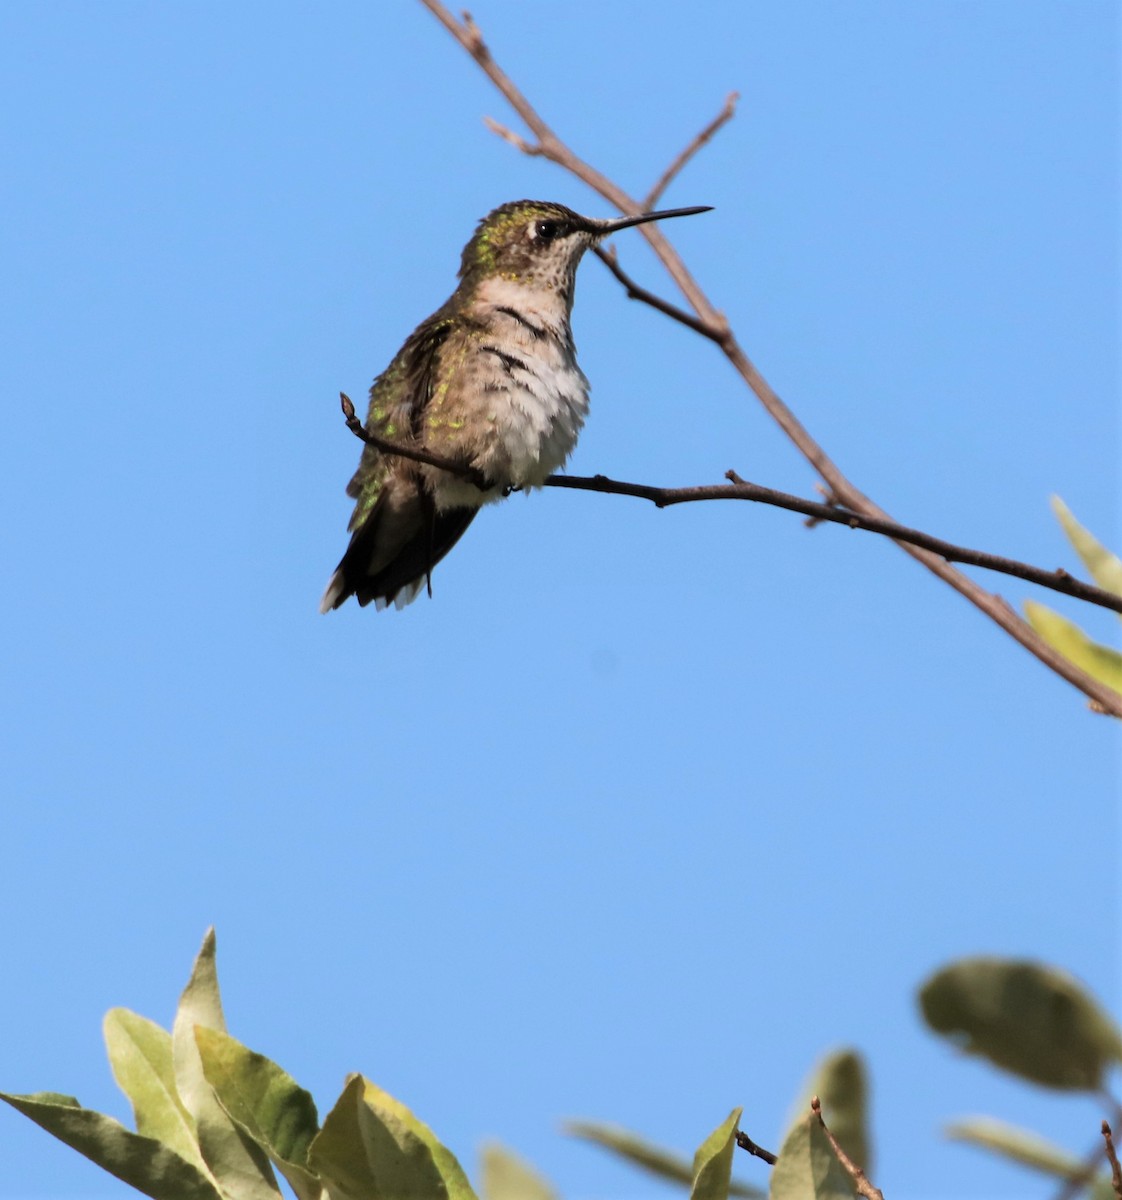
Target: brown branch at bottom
1112,1158
860,1179
746,1143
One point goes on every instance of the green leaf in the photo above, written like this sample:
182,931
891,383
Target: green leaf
142,1162
140,1055
236,1161
1105,568
1100,661
200,1004
1029,1149
807,1168
644,1154
391,1110
1032,1020
1019,1145
712,1164
508,1177
357,1162
266,1103
840,1083
371,1147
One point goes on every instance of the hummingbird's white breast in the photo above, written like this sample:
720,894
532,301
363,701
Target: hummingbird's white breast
524,397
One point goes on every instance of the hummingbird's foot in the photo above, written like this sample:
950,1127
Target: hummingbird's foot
512,487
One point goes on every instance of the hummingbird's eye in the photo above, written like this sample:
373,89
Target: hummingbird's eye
546,231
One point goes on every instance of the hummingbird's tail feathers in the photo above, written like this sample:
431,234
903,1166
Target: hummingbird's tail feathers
392,553
401,580
336,592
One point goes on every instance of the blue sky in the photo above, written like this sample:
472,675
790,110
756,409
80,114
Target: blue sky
643,811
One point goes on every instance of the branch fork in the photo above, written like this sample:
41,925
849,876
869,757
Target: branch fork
706,320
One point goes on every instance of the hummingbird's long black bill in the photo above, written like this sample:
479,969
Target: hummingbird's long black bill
607,227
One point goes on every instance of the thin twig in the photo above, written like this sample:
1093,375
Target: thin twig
1083,1176
515,139
635,292
746,1143
722,118
742,489
860,1179
551,147
1112,1158
415,453
1058,580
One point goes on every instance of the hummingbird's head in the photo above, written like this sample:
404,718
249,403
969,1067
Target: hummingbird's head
538,244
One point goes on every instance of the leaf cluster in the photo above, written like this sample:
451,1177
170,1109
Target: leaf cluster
217,1121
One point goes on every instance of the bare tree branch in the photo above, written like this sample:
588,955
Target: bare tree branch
634,292
549,145
1112,1158
746,1143
717,329
515,139
741,489
722,118
1083,1176
860,1179
1058,580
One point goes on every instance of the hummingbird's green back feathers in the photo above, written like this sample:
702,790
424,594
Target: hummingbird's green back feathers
398,537
399,398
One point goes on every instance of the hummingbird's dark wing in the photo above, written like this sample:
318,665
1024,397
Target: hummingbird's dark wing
421,543
397,534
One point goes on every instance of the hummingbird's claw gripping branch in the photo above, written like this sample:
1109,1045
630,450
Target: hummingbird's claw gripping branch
860,1179
415,453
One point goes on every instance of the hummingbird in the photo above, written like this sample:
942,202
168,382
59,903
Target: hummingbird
489,381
